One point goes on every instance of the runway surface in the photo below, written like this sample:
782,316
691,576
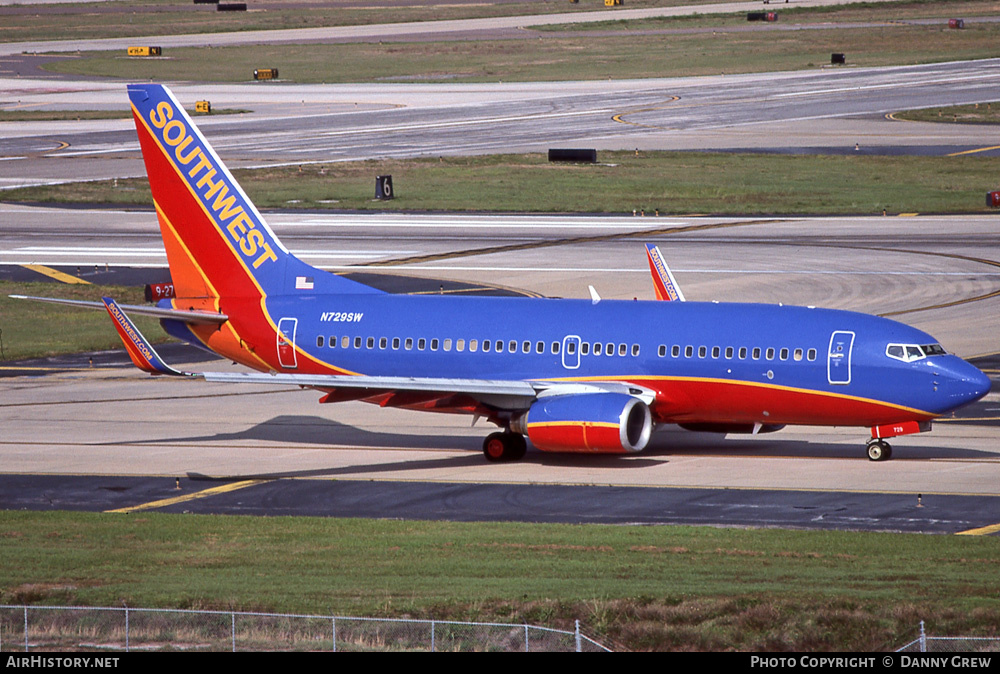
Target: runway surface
826,111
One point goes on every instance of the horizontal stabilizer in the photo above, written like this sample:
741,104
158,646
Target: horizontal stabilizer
203,317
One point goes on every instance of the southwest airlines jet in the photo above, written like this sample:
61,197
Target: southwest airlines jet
587,376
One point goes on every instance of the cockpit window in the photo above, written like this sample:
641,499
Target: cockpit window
911,352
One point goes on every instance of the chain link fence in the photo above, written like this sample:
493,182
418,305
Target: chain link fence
68,628
926,644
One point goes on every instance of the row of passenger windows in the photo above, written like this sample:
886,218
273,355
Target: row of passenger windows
473,345
741,353
586,348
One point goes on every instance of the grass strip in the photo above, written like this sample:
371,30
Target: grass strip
978,113
167,17
555,57
643,587
667,182
37,329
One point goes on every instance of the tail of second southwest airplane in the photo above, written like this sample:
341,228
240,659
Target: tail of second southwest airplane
218,245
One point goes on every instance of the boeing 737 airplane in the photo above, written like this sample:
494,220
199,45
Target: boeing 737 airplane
587,376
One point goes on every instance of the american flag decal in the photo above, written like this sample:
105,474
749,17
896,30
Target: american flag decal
303,282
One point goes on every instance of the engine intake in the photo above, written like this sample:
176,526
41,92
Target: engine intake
587,423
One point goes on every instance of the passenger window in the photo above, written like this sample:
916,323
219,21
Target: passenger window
769,354
597,348
512,346
357,342
555,347
383,342
797,355
743,353
459,345
715,352
584,348
635,349
525,347
755,354
434,344
675,351
345,342
539,347
319,341
811,354
662,351
395,343
446,344
370,342
702,351
421,344
622,349
609,349
486,345
473,345
409,344
783,354
729,353
332,342
688,351
499,348
571,348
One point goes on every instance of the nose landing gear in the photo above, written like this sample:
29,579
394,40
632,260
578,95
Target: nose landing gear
879,450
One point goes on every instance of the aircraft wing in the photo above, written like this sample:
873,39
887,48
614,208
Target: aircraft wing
416,384
473,387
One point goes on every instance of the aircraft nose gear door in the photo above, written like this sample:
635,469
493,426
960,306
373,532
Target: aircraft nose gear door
838,362
286,343
571,352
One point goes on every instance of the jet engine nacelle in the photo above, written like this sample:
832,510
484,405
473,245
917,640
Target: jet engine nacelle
587,423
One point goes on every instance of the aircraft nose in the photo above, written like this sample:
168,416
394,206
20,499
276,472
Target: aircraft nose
965,383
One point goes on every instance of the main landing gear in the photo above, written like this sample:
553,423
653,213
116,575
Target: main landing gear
879,450
504,446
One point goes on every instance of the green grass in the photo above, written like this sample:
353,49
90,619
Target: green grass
642,587
671,182
168,17
36,329
979,113
553,58
572,55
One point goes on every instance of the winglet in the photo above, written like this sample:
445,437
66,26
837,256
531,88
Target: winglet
139,349
664,285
